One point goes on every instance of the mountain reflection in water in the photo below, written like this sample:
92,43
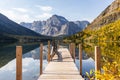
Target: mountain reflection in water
30,62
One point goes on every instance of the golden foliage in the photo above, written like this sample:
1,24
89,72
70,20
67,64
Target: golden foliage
110,71
109,32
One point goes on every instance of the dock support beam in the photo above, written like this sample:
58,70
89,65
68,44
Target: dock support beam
18,62
41,58
97,58
80,58
48,51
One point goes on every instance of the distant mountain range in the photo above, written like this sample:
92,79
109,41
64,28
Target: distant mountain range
56,25
10,30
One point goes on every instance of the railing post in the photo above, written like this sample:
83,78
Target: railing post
19,63
74,51
97,58
70,48
48,51
80,58
41,57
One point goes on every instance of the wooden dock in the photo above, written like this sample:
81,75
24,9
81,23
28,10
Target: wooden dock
61,70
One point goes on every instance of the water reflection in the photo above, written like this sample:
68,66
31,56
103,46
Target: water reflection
88,62
35,54
30,62
87,65
8,52
30,69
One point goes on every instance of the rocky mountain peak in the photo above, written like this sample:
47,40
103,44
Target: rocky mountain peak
57,25
56,21
59,18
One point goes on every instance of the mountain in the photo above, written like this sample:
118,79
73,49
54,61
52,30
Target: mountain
8,29
56,25
70,28
109,15
105,28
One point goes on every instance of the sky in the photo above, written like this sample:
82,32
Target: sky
35,10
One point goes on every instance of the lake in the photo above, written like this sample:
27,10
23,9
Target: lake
31,61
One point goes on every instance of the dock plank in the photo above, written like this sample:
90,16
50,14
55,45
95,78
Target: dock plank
61,70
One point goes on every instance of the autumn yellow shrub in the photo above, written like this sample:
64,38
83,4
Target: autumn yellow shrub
110,71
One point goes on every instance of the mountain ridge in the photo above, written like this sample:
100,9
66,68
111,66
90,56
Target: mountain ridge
109,15
14,28
10,30
55,26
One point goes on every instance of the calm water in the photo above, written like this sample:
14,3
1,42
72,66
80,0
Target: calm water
31,59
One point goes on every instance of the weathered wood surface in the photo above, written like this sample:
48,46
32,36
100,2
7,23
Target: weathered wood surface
97,58
61,70
19,63
80,58
49,51
41,58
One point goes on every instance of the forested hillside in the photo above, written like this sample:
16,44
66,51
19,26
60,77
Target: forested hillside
109,32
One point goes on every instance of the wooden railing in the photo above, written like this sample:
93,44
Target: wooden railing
72,52
97,56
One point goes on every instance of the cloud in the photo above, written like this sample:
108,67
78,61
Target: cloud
45,8
44,16
16,16
22,15
21,9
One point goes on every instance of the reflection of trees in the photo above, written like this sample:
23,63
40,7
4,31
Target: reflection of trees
89,50
8,52
109,51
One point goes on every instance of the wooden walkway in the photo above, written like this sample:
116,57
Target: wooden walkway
61,70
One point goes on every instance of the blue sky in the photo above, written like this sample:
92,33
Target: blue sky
32,10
